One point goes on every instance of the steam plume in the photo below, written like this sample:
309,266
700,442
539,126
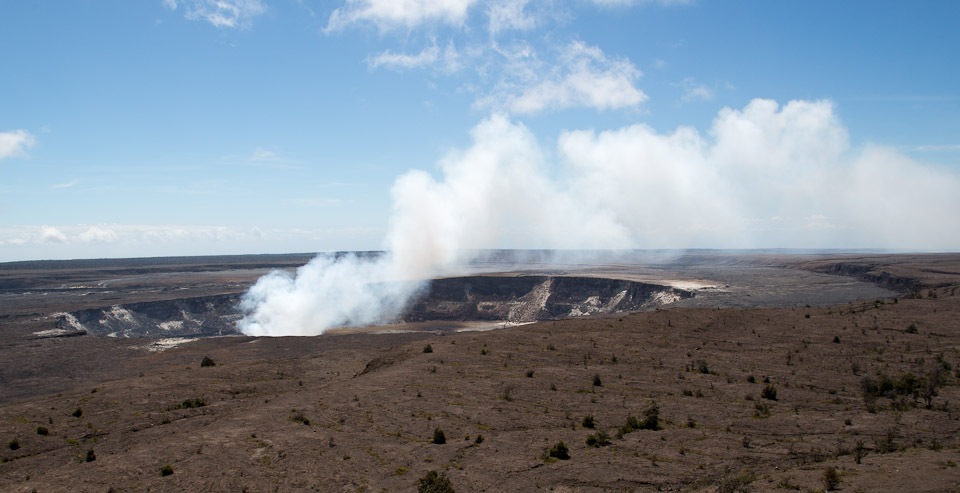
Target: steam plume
765,176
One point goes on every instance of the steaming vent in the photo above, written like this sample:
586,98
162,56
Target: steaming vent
514,299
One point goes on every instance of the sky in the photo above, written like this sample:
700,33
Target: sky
203,127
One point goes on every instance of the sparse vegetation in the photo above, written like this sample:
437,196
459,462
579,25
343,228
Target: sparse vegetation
42,430
736,483
428,348
166,470
596,381
831,478
432,482
589,422
190,404
78,412
91,456
650,421
297,416
761,410
769,392
438,437
207,361
559,451
599,440
14,444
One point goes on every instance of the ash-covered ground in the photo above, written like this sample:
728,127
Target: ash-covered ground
357,408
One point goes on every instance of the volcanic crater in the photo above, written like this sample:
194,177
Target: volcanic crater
489,298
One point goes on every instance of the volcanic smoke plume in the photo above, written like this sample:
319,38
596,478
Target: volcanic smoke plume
764,176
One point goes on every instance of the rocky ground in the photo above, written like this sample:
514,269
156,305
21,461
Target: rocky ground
763,399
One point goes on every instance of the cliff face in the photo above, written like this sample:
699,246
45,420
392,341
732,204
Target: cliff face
199,316
494,298
870,273
531,298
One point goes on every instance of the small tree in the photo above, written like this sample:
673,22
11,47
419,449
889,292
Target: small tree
438,437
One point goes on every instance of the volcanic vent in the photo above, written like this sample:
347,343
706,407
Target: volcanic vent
507,298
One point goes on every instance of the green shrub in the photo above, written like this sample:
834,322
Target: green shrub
190,404
761,410
559,451
431,482
596,381
77,413
651,421
599,440
589,422
42,430
14,444
207,361
831,478
299,417
91,456
166,470
438,437
479,440
428,348
738,483
769,392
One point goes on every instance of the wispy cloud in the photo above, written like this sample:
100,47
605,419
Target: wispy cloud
392,14
15,143
401,61
68,184
583,76
262,155
935,148
220,13
509,14
628,3
694,91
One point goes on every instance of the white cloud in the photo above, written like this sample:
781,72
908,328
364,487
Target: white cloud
15,143
69,184
98,235
627,3
582,77
50,234
446,61
392,14
509,14
693,91
220,13
262,155
400,61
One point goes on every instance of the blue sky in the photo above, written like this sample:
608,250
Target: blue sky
181,127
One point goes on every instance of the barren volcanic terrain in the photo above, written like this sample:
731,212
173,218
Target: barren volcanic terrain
712,371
